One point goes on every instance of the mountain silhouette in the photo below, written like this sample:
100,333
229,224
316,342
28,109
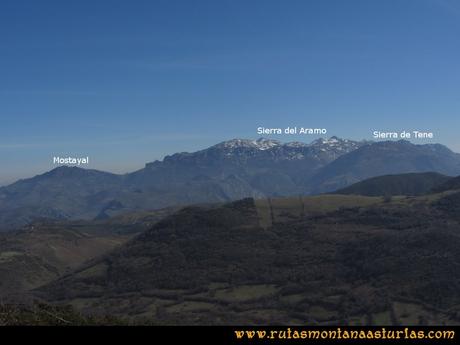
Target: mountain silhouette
230,170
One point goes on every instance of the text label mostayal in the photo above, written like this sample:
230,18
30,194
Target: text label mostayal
71,160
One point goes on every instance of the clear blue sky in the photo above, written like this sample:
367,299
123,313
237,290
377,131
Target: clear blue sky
126,82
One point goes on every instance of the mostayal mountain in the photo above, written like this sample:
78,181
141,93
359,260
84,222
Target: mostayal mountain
228,171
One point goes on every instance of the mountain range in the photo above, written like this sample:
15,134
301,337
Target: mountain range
228,171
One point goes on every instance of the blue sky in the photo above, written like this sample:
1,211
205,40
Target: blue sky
127,82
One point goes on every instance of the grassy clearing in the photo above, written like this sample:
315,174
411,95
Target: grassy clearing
9,255
410,313
190,306
94,271
357,321
382,319
283,209
292,299
320,313
245,293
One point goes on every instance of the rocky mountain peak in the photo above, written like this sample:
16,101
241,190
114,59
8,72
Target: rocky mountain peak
259,144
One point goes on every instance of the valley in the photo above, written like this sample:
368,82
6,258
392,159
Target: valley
326,259
47,249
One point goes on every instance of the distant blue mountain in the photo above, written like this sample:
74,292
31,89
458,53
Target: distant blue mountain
227,171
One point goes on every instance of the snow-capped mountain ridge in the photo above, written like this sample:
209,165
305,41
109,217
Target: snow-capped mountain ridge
231,170
266,144
260,144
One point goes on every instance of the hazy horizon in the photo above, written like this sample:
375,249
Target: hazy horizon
112,167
